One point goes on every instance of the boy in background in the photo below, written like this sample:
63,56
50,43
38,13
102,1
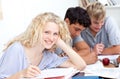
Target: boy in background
103,34
77,20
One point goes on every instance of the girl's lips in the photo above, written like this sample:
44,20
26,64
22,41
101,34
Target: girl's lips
48,42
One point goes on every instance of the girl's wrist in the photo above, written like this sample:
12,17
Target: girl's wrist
22,76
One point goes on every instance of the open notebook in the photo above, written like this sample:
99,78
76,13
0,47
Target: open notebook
57,73
98,69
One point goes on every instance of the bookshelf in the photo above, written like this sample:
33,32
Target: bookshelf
108,3
112,9
114,12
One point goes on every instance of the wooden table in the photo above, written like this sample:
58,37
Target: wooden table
110,66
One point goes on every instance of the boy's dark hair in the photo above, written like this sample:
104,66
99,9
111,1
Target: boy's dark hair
78,15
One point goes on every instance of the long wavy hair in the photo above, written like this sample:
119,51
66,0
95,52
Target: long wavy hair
33,34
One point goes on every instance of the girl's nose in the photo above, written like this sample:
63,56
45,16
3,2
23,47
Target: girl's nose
51,37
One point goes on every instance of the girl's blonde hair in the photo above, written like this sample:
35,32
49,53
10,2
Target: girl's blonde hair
33,33
96,10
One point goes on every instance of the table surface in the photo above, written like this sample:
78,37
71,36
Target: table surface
110,66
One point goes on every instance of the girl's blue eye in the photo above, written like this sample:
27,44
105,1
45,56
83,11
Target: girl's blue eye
46,32
55,33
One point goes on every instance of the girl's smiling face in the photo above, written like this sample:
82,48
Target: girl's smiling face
50,34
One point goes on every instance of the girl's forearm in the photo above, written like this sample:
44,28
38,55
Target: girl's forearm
16,76
74,57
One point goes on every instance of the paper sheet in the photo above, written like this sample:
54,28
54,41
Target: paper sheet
56,72
98,69
111,57
106,72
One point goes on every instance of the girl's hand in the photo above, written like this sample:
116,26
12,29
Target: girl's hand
31,71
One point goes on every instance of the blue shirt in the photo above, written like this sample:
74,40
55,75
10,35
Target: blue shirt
109,34
14,60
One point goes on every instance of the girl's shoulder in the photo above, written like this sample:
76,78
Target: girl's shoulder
15,47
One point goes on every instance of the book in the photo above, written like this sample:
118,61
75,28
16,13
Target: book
111,73
87,77
98,69
57,73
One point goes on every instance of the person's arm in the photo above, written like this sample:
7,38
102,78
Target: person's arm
90,58
82,48
85,52
113,33
112,50
75,60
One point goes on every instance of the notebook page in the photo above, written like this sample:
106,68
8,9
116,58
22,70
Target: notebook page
98,69
56,72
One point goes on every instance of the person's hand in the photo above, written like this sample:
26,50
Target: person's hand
118,59
98,48
92,58
30,72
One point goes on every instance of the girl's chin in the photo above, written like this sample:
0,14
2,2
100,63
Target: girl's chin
48,47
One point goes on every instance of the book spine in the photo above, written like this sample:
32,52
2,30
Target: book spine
59,77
